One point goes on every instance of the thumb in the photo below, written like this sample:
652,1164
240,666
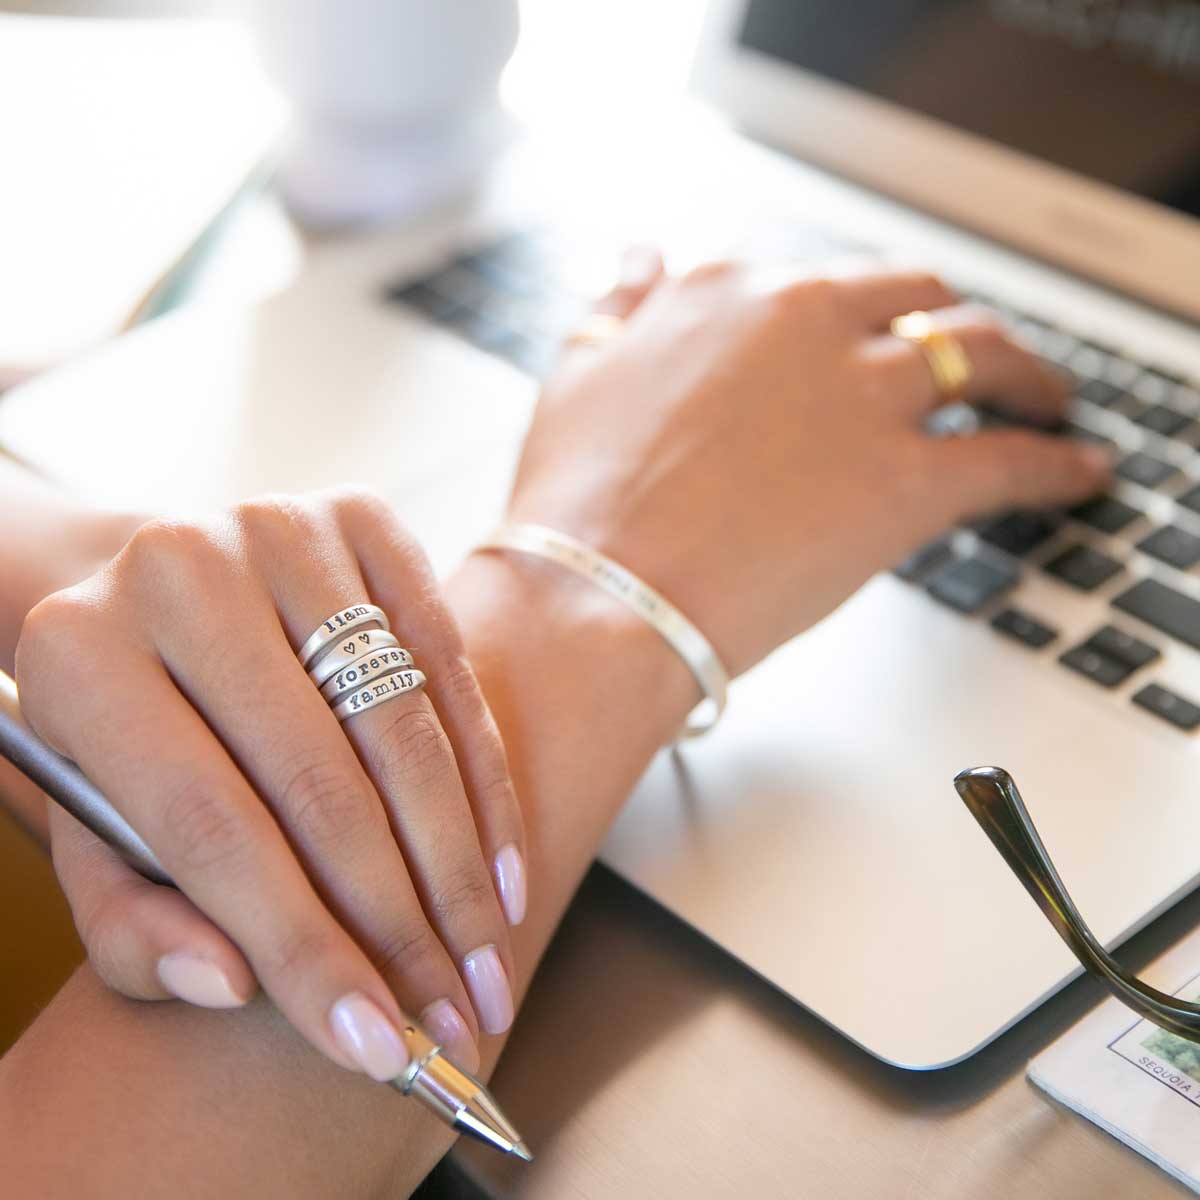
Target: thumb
143,939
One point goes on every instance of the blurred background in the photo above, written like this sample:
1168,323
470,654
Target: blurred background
206,176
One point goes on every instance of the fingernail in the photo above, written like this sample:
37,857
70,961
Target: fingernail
197,981
1098,458
364,1033
488,985
509,869
639,265
443,1022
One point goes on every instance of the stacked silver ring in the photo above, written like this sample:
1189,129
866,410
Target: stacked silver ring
356,666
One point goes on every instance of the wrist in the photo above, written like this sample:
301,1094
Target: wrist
529,615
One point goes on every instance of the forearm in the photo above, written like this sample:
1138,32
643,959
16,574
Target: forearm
234,1102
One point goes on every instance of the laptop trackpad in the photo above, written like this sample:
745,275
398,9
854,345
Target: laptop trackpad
816,834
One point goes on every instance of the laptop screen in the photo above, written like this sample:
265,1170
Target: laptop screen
1107,88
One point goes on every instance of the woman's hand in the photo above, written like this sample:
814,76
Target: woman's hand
753,444
342,867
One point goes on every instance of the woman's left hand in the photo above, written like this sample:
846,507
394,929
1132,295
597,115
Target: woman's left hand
343,867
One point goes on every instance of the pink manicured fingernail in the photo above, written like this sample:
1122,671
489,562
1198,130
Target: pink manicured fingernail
197,981
443,1022
509,869
488,985
368,1037
1098,457
639,265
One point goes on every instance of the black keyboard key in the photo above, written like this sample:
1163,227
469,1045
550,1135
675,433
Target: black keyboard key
1180,712
1124,647
483,331
1024,628
1166,609
1190,499
1100,391
1186,399
426,299
1017,533
1099,668
1078,433
1083,568
1164,421
1107,513
969,583
1172,545
921,562
990,416
1145,470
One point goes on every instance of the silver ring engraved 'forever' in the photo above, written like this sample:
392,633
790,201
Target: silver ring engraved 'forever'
365,669
344,621
380,692
339,657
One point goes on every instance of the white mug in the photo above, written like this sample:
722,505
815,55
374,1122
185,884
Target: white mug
394,101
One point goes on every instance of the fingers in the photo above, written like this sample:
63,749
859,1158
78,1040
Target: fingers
1001,371
289,746
451,800
1012,469
447,930
146,941
877,297
399,578
640,270
413,764
217,841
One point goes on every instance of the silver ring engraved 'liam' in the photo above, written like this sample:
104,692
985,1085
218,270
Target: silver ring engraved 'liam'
365,669
349,650
380,692
344,621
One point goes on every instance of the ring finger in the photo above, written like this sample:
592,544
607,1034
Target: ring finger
412,767
288,744
1000,370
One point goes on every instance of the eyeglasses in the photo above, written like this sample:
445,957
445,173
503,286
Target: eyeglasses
993,799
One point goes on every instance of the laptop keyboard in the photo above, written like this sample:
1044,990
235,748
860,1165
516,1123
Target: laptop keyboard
517,297
520,295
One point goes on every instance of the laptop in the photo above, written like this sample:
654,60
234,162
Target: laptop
1045,158
815,835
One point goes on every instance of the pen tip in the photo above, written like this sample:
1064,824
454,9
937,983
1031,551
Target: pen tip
522,1152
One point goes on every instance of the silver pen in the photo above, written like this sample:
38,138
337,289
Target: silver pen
456,1098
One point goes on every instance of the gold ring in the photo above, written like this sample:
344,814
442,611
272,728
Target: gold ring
948,361
595,330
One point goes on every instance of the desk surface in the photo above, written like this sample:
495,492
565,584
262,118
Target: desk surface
686,1076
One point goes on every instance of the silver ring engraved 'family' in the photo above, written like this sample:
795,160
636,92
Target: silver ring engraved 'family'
344,621
363,642
365,669
380,692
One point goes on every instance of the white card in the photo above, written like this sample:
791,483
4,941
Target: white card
1136,1081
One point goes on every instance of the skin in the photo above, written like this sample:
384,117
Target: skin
318,865
57,542
703,446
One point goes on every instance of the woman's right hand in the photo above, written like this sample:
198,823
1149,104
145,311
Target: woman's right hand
342,867
753,442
